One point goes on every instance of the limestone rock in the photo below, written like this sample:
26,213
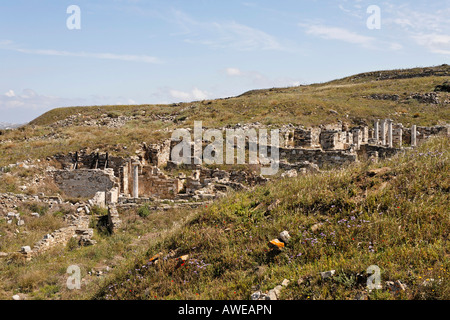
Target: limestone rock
327,274
316,227
284,236
289,174
272,295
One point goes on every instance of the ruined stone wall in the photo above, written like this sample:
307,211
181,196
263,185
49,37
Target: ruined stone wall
424,133
85,183
159,154
368,151
86,161
319,157
193,184
154,183
307,138
332,140
397,135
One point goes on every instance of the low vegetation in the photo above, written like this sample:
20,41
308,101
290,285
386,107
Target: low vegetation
393,215
348,100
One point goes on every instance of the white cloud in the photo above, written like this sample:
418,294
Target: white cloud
436,43
10,94
21,107
419,19
225,34
425,25
233,72
30,99
341,34
9,45
195,94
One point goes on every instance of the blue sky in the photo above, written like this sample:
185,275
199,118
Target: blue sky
143,51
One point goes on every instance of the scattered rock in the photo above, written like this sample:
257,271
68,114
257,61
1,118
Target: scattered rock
316,227
392,97
11,215
16,297
396,286
331,111
255,295
289,174
25,249
284,236
431,97
272,295
378,171
327,274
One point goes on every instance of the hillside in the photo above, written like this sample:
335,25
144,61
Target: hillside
408,98
393,215
341,204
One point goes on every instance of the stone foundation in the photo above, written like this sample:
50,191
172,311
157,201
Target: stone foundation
85,183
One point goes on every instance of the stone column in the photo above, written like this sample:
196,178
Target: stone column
356,141
376,134
400,137
390,139
414,136
125,171
135,180
383,133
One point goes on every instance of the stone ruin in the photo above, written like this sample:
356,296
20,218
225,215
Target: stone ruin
110,182
336,145
115,180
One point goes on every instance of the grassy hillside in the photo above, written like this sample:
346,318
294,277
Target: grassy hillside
393,214
348,100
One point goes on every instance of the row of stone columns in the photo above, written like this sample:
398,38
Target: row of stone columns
385,127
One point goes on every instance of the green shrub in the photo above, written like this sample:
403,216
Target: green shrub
144,211
98,211
113,115
72,244
41,209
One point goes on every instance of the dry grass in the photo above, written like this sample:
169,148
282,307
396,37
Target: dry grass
402,228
